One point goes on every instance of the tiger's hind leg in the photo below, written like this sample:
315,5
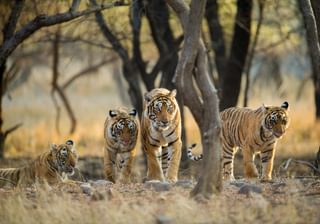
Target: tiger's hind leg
227,162
250,170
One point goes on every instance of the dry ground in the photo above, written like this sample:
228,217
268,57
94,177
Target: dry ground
286,200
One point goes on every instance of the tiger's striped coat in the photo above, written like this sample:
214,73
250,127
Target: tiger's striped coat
48,167
161,134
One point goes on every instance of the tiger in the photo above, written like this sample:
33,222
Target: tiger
161,134
51,167
253,131
121,129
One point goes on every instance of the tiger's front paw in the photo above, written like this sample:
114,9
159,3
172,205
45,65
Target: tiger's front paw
172,180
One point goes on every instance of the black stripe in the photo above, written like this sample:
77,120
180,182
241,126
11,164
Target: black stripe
226,163
255,142
173,142
171,132
271,143
227,157
264,159
228,152
165,154
154,145
268,150
154,139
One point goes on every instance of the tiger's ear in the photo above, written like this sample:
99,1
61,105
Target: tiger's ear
133,112
70,142
285,105
264,108
147,97
53,147
173,93
112,113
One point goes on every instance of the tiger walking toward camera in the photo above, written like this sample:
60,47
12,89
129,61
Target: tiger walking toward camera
161,134
120,133
49,167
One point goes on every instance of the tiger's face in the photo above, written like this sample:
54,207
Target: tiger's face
123,127
161,107
65,157
277,119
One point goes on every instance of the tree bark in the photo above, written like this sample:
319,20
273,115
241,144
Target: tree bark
251,53
193,61
231,79
313,46
316,80
216,36
129,69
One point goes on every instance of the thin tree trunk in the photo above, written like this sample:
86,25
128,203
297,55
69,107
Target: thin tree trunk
316,80
251,53
313,46
231,79
216,36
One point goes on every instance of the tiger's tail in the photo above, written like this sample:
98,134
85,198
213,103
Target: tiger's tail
190,154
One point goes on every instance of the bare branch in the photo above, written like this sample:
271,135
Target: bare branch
11,24
43,21
285,165
86,71
12,129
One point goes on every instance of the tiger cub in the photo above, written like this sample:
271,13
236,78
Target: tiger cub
49,167
161,134
120,133
254,131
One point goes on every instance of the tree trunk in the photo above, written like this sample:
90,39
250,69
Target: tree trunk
316,77
216,36
313,46
193,61
231,79
2,136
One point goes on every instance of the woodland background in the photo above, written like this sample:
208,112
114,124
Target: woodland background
60,81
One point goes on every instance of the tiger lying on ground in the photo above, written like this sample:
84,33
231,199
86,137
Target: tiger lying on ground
49,167
161,134
120,132
254,131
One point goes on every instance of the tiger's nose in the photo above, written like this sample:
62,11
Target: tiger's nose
165,122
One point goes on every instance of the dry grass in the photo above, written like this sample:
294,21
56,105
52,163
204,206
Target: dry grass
91,99
134,203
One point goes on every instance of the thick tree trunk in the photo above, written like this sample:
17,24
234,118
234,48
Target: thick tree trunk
313,46
231,79
193,61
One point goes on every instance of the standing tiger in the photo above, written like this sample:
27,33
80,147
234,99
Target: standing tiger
161,134
254,131
120,133
49,167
